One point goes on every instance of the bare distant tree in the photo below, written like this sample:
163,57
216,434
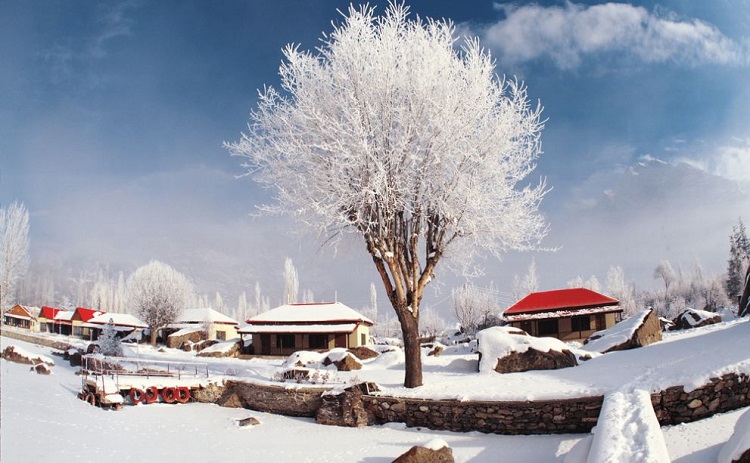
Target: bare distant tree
666,274
621,290
475,307
157,294
14,250
432,323
218,303
392,133
373,297
291,282
529,284
242,314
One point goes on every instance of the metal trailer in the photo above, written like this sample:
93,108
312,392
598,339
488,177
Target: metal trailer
110,382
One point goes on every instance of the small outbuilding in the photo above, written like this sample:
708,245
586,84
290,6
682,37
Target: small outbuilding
21,316
126,325
310,326
217,326
571,314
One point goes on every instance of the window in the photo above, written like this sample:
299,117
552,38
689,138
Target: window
221,335
363,339
318,341
548,327
581,323
284,340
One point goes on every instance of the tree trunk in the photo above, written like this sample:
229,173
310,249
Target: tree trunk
744,308
412,352
153,336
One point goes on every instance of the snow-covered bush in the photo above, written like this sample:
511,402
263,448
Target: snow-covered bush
109,342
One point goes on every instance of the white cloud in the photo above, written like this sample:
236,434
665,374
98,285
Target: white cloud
569,33
731,161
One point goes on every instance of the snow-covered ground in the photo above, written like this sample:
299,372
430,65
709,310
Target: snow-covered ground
42,420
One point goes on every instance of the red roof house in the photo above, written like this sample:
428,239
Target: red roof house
54,320
571,314
80,322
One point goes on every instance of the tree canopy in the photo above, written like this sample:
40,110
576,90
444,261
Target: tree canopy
390,132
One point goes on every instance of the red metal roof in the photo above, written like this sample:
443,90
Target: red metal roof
560,299
48,312
86,314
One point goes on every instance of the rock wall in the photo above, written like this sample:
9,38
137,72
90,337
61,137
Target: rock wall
30,336
538,417
674,405
289,401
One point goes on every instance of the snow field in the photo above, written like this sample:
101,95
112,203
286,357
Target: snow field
42,420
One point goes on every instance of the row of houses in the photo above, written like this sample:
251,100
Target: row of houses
88,324
571,314
281,331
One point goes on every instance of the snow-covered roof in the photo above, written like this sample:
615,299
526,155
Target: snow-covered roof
560,299
272,329
48,312
314,313
85,314
118,319
206,314
64,316
561,313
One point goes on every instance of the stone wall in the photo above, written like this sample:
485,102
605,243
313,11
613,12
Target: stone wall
674,405
538,417
32,337
290,401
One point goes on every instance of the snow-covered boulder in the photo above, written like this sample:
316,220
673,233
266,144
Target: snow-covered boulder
178,338
434,451
41,369
692,318
364,352
627,430
737,448
342,360
222,349
20,355
503,350
640,330
302,358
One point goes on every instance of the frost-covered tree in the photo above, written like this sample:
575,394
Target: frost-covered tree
218,303
291,282
392,133
739,259
242,314
157,294
522,287
14,250
475,308
621,290
432,324
666,274
373,297
109,342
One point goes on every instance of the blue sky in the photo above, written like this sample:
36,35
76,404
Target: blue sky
113,114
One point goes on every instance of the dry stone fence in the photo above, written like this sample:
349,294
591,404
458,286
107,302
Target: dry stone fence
364,404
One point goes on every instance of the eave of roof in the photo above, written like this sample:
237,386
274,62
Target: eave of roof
561,299
298,329
562,313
